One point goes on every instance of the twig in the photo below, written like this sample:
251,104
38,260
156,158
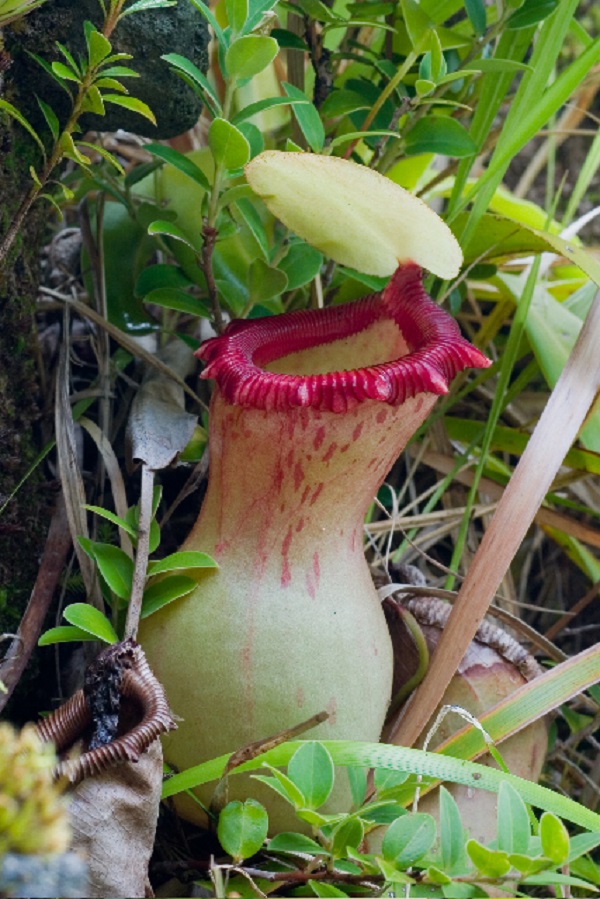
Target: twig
141,555
209,237
579,606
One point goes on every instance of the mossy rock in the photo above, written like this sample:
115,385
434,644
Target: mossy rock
145,35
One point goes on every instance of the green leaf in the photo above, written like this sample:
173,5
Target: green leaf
160,275
476,13
342,102
282,784
242,828
237,13
531,12
228,145
131,103
174,298
180,561
110,84
69,56
101,151
452,837
408,839
418,24
196,79
35,177
288,40
65,634
311,769
165,591
63,71
265,282
116,568
92,101
386,780
424,87
495,65
527,865
439,134
233,194
391,872
91,620
553,877
261,105
119,72
301,264
258,8
70,151
182,163
438,65
348,833
20,118
380,814
315,819
491,862
249,55
141,5
581,844
169,229
321,888
99,48
358,785
307,117
555,838
51,118
294,843
514,826
435,875
110,516
248,213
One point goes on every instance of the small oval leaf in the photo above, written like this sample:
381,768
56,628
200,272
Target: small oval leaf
181,561
491,862
242,828
228,145
115,566
554,837
64,634
91,620
439,134
408,839
165,591
311,769
249,55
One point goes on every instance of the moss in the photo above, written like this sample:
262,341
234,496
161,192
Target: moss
24,522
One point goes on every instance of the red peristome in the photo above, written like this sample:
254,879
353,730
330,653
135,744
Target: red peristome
437,352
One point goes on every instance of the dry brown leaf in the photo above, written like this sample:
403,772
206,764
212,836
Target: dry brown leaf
113,818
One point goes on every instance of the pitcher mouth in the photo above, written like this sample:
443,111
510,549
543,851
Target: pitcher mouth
385,347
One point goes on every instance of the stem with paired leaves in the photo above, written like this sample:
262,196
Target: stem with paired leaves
65,139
